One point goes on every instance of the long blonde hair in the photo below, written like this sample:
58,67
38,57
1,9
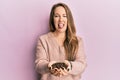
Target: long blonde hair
71,41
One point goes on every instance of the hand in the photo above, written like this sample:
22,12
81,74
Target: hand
50,64
59,68
54,71
68,64
65,71
59,72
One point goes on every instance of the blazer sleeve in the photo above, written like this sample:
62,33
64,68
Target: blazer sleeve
79,65
41,60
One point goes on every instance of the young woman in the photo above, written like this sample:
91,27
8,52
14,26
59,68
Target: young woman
60,53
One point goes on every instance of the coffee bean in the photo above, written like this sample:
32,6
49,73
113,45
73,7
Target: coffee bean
59,65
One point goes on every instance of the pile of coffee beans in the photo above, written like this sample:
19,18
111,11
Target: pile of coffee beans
60,65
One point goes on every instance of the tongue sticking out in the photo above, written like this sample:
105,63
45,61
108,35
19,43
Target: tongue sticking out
60,26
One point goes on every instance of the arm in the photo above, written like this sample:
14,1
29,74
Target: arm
41,60
79,65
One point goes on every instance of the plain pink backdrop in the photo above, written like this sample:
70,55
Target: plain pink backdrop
22,21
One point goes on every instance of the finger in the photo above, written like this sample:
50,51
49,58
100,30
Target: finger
68,63
52,71
50,68
50,63
63,72
56,72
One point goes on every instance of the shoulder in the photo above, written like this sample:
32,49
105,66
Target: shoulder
79,38
45,36
43,39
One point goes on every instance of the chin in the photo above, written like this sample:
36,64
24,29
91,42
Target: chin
61,31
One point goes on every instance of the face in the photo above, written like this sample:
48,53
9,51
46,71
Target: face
60,19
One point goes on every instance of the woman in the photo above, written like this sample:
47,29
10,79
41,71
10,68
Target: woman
60,54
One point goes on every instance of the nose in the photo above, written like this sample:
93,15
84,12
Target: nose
61,18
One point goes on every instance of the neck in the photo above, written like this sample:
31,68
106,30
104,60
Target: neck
60,35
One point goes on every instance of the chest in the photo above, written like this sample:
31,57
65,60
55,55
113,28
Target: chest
55,52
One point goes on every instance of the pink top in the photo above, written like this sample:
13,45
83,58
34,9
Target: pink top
49,50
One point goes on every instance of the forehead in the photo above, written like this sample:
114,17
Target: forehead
60,9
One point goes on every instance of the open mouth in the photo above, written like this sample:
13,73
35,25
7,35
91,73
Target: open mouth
60,25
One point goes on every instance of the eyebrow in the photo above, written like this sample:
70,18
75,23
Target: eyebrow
58,14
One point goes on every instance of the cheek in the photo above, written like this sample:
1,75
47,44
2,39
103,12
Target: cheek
66,22
55,21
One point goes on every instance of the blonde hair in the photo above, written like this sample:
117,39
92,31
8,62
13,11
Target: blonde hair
71,41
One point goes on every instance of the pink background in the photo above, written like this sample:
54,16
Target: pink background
22,21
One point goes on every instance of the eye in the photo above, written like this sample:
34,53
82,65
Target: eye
64,15
56,16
